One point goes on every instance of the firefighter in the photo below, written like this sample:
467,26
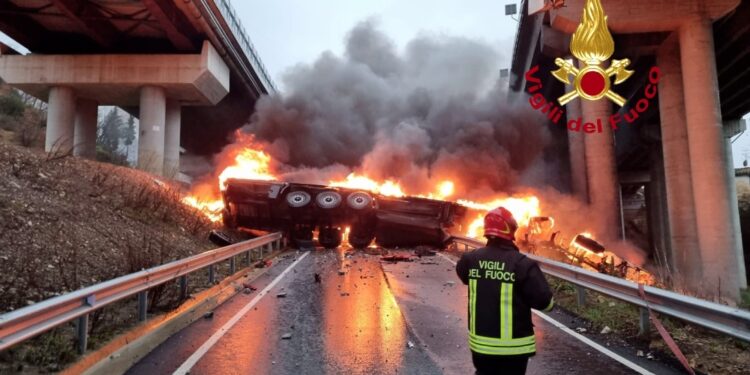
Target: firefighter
504,285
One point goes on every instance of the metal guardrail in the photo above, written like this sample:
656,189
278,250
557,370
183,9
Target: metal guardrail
720,318
24,323
231,19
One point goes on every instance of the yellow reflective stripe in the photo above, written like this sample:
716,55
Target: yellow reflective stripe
506,311
551,305
473,304
494,341
493,350
510,311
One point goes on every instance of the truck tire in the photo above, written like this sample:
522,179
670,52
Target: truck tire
298,199
359,200
302,238
328,199
329,238
360,238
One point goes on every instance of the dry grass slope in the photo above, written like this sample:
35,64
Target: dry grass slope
66,223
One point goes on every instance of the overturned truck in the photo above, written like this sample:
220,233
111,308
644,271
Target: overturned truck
301,209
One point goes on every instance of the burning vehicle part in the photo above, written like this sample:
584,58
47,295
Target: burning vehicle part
582,250
300,209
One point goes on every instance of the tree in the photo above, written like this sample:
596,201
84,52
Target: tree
110,132
129,134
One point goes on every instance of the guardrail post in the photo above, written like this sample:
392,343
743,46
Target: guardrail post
248,258
644,324
580,295
211,276
260,250
142,305
82,332
183,287
232,266
466,247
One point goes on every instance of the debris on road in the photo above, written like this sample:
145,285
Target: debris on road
317,278
286,336
580,329
249,286
247,290
606,330
449,283
424,251
344,294
409,344
208,315
263,264
281,295
396,258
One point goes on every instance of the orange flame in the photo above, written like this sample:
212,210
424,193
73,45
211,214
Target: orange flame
523,208
354,181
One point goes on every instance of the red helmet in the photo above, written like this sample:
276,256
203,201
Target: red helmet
500,223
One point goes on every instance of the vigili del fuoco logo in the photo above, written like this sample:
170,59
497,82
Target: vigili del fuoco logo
592,45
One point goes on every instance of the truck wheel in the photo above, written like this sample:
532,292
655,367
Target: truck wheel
328,199
302,238
329,238
359,200
298,199
360,238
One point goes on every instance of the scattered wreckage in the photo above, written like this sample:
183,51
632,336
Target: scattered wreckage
301,209
391,222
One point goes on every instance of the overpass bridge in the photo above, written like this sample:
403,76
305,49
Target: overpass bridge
679,149
187,69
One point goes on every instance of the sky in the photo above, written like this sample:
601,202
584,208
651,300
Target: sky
290,32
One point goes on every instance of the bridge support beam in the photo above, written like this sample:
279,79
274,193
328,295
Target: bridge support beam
152,126
172,139
680,205
84,144
60,120
708,161
601,169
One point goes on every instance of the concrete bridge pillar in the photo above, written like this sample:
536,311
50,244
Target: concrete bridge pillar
577,152
601,169
680,205
734,129
84,143
172,139
60,119
708,160
152,127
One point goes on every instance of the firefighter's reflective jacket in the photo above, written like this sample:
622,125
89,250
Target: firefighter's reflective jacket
504,285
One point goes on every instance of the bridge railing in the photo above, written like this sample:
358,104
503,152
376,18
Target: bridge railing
720,318
27,322
227,11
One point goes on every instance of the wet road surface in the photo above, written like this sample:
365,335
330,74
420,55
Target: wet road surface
346,324
361,318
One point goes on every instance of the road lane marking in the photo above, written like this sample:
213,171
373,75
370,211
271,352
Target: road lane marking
580,337
203,349
593,344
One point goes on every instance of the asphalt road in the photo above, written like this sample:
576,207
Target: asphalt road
363,317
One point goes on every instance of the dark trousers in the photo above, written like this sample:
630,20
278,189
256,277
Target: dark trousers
499,364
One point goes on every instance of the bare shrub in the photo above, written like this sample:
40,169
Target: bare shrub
29,132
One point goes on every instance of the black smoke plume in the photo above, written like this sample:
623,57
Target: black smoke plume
437,110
